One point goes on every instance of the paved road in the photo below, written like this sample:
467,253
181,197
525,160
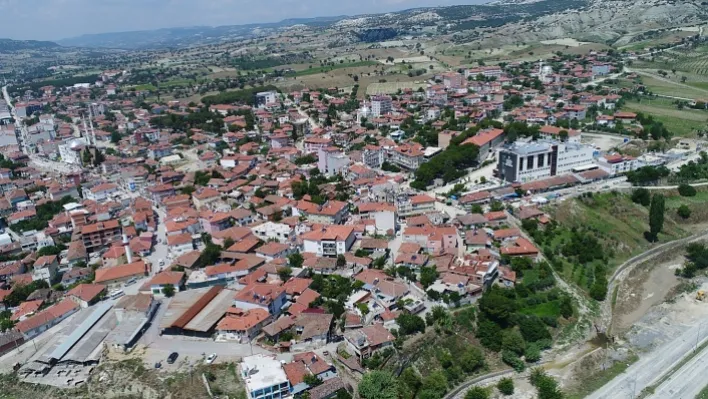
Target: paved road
686,382
653,366
160,251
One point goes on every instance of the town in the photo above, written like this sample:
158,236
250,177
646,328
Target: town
310,236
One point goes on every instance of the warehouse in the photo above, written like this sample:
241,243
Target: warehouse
196,312
69,357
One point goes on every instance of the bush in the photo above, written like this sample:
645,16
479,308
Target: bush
686,190
684,212
641,196
513,360
506,386
533,353
477,393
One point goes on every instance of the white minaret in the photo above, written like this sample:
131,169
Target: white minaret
126,246
93,133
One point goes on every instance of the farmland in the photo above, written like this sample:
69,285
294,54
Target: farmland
681,122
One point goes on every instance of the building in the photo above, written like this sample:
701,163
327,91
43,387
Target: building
332,161
383,214
373,156
242,326
415,205
380,105
261,296
157,284
486,140
366,341
265,98
118,274
617,163
522,162
329,240
47,318
98,236
264,377
408,156
274,231
46,268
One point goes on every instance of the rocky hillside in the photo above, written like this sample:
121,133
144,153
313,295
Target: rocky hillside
609,21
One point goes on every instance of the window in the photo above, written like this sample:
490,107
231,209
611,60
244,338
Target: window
540,160
529,163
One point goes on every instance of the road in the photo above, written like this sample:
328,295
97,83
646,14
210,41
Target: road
160,251
653,366
687,382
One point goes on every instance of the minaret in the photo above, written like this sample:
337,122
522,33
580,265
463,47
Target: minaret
93,133
126,246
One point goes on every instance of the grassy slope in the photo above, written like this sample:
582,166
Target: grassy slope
620,223
681,122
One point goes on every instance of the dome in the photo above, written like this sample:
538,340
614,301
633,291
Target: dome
76,144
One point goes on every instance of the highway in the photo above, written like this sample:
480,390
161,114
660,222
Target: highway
654,365
686,382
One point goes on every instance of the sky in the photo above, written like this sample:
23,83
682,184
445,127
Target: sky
59,19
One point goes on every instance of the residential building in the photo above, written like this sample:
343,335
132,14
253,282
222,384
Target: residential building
366,341
380,105
329,240
274,231
100,235
264,377
415,205
332,161
268,297
46,268
486,140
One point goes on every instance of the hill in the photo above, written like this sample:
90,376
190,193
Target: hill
496,23
10,45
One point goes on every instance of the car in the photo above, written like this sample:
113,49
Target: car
131,281
172,357
210,359
158,365
162,263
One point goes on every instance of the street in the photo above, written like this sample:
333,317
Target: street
651,367
686,382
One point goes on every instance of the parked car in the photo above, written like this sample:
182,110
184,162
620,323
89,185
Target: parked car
210,359
131,281
172,357
158,365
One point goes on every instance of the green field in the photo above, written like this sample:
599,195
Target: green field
674,88
681,122
144,87
324,69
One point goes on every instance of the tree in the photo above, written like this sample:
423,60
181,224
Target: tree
513,341
641,196
477,393
410,324
686,190
506,386
312,380
168,290
428,275
284,273
434,386
115,137
656,216
513,360
295,260
566,307
341,260
472,360
378,385
684,211
533,329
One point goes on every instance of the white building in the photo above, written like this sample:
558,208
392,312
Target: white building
329,241
380,105
274,231
332,161
383,214
264,377
265,98
70,151
373,156
522,162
